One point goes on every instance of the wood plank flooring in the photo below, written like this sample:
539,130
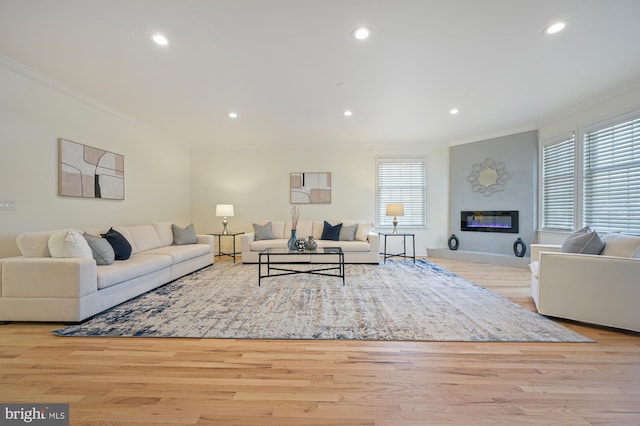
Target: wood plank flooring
135,381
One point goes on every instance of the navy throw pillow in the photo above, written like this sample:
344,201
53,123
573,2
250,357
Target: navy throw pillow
121,246
331,232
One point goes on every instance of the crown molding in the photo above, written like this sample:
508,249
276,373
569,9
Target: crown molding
493,135
47,81
617,92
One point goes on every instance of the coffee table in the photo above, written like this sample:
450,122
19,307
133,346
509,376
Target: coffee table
330,259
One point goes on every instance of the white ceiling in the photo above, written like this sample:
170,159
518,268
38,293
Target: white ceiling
277,63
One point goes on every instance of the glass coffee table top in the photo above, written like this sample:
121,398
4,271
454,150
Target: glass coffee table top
330,263
319,250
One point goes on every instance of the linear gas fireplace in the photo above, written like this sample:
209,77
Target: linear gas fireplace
490,221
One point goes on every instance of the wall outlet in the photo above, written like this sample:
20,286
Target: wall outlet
7,204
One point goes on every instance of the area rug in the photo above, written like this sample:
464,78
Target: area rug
395,301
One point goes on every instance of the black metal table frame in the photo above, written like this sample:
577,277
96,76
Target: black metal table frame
339,266
404,253
230,234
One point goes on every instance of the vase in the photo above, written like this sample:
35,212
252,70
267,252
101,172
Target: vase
453,242
291,244
311,243
519,248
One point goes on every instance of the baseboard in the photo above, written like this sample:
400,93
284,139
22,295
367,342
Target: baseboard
480,257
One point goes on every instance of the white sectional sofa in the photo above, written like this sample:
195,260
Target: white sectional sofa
364,248
601,289
37,287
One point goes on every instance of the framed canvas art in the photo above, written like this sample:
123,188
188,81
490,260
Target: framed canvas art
88,172
310,188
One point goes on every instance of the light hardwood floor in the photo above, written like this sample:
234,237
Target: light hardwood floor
133,381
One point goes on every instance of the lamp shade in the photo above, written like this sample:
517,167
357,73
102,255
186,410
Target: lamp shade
395,209
225,210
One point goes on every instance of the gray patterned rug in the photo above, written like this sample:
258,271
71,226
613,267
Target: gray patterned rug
395,301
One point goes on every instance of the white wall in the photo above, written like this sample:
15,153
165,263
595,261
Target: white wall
256,181
34,113
615,103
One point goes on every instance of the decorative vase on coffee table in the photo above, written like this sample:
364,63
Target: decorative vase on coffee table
311,243
291,244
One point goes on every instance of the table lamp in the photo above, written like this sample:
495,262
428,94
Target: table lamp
224,210
395,209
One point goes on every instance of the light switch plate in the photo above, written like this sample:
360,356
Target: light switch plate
7,204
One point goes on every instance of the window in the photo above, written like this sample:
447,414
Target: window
558,184
612,176
402,181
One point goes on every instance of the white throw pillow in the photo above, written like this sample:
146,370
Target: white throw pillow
69,244
362,233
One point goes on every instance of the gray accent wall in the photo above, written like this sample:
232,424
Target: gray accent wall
519,153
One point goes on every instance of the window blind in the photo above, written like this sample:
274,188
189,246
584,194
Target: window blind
558,185
402,181
612,177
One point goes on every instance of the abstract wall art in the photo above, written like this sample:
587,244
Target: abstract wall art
84,171
310,188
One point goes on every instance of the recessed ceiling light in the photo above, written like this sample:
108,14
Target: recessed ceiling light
361,33
454,111
160,39
556,27
348,113
233,115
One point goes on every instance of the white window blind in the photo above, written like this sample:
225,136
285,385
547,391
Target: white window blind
559,185
402,181
612,177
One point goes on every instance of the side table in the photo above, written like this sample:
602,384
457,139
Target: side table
233,235
404,246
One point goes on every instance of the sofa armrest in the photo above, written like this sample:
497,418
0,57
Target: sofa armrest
205,239
592,288
246,240
537,248
374,241
42,277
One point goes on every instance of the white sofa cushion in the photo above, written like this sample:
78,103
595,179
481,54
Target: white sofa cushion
182,252
136,266
165,233
347,246
621,245
69,244
265,244
141,237
36,244
304,229
362,233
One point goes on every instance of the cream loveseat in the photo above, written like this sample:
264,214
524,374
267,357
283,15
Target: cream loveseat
601,289
37,287
362,247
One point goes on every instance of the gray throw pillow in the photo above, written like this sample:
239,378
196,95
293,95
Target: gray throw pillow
583,241
183,236
101,250
263,232
348,233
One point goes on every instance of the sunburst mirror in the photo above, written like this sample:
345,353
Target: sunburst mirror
488,177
